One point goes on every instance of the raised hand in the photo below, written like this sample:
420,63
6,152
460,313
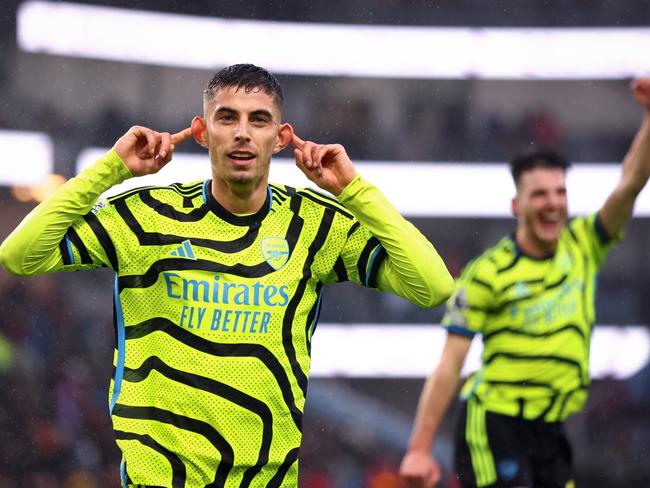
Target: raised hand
641,90
327,165
420,470
145,151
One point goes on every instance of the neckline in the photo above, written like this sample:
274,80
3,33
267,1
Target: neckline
520,252
231,218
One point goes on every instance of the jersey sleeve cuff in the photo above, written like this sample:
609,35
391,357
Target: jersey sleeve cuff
113,160
461,331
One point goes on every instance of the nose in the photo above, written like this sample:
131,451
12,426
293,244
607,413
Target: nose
241,133
556,200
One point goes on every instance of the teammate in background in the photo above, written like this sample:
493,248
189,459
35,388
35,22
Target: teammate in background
218,283
532,298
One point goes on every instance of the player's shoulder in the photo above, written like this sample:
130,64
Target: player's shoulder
492,260
175,194
312,199
498,254
580,224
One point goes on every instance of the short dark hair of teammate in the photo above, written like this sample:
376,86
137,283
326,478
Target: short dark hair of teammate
247,77
537,159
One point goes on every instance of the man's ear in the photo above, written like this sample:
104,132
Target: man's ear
514,206
199,131
285,135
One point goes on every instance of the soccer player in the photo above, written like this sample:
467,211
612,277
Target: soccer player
532,298
219,283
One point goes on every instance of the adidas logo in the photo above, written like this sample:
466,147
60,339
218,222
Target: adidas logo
184,251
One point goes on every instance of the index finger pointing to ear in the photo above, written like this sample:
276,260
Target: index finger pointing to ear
297,141
182,136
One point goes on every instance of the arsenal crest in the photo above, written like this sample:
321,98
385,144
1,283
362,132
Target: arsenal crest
275,251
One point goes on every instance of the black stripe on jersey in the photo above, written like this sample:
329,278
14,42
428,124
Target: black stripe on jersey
353,228
179,264
63,249
339,269
551,404
278,477
219,389
297,222
277,200
482,283
126,194
511,330
475,308
573,235
289,315
191,190
185,423
282,191
170,212
510,265
533,357
585,306
565,400
585,280
362,264
557,283
156,238
103,238
535,281
550,286
178,468
521,383
376,264
278,195
81,247
222,350
326,201
312,318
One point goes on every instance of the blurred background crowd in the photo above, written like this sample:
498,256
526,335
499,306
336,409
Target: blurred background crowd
56,333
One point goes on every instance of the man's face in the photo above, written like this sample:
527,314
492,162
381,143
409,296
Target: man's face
241,134
541,205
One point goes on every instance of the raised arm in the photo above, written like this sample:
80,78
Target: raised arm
413,268
28,250
419,468
617,210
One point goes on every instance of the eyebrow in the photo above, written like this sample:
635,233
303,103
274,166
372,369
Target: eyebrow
263,112
228,110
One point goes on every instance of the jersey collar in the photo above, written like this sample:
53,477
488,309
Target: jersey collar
231,218
520,252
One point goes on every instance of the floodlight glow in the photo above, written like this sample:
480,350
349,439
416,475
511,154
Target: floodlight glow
332,50
28,158
413,351
432,189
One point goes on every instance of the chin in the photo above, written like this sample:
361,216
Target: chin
548,239
241,178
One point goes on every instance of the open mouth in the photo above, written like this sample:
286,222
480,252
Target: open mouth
241,156
550,220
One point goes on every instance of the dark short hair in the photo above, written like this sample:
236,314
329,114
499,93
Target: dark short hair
247,77
537,159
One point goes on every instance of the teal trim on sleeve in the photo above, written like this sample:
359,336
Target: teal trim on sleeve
462,331
371,262
600,230
121,344
68,244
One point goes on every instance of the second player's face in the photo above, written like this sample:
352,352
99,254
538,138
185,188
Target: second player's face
541,206
242,135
